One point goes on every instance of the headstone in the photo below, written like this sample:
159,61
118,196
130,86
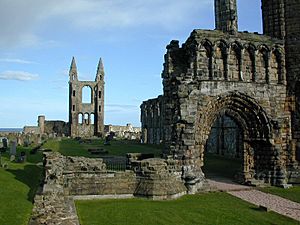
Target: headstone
5,142
12,158
13,148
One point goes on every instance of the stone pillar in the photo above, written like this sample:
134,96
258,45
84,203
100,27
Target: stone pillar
226,16
41,124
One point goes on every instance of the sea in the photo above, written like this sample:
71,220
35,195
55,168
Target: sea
11,130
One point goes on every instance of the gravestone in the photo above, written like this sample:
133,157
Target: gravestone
5,142
13,148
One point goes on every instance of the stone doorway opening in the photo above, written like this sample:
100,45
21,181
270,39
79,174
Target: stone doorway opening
224,149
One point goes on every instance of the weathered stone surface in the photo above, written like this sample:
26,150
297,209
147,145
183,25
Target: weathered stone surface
250,78
86,119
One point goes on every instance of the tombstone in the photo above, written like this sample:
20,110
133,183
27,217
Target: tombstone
13,148
5,143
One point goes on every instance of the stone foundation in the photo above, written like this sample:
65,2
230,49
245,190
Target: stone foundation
67,178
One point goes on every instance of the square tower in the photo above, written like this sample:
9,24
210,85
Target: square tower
226,16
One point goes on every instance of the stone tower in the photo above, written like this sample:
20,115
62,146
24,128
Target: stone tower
226,15
41,123
273,18
86,118
292,47
281,20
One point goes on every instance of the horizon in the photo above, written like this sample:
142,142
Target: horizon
37,47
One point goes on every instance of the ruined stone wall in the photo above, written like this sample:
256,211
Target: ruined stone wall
152,118
292,43
86,119
67,178
215,74
60,128
240,75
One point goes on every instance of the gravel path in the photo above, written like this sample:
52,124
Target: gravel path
271,202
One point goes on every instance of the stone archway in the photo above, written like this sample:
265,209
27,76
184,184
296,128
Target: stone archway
224,153
258,152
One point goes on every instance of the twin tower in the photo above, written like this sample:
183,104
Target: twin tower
86,103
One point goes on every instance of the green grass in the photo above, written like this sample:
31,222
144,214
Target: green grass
221,166
72,147
292,193
210,208
18,184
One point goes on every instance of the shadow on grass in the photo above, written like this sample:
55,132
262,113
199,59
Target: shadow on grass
219,166
31,176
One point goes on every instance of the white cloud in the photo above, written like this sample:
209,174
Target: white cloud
18,75
21,21
19,61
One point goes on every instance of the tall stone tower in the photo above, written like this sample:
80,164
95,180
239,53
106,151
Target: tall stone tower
86,118
292,46
41,123
281,19
226,16
273,18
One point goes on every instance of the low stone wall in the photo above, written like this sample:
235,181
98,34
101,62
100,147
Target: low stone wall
103,183
80,178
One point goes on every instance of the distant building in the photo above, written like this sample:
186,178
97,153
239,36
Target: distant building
127,132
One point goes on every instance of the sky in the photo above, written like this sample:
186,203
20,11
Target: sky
38,39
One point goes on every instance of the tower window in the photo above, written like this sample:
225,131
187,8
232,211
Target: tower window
100,94
99,108
87,94
73,93
92,118
73,107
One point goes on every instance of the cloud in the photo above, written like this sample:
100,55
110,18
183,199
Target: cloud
22,21
19,61
18,75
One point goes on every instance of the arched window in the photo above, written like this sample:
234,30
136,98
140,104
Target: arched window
92,118
86,118
87,94
80,118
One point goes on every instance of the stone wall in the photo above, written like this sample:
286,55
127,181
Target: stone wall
75,177
59,128
245,76
152,120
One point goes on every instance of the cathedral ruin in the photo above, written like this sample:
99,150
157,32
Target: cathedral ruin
248,80
86,115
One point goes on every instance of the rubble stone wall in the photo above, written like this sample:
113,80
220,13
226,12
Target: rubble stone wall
69,177
152,118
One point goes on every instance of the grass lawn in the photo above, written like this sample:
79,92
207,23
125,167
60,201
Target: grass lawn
209,208
72,147
18,184
292,193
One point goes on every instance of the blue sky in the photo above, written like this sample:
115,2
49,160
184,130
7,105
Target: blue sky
39,37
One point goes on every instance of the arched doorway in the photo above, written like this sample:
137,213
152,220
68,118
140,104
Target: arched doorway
248,118
224,149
